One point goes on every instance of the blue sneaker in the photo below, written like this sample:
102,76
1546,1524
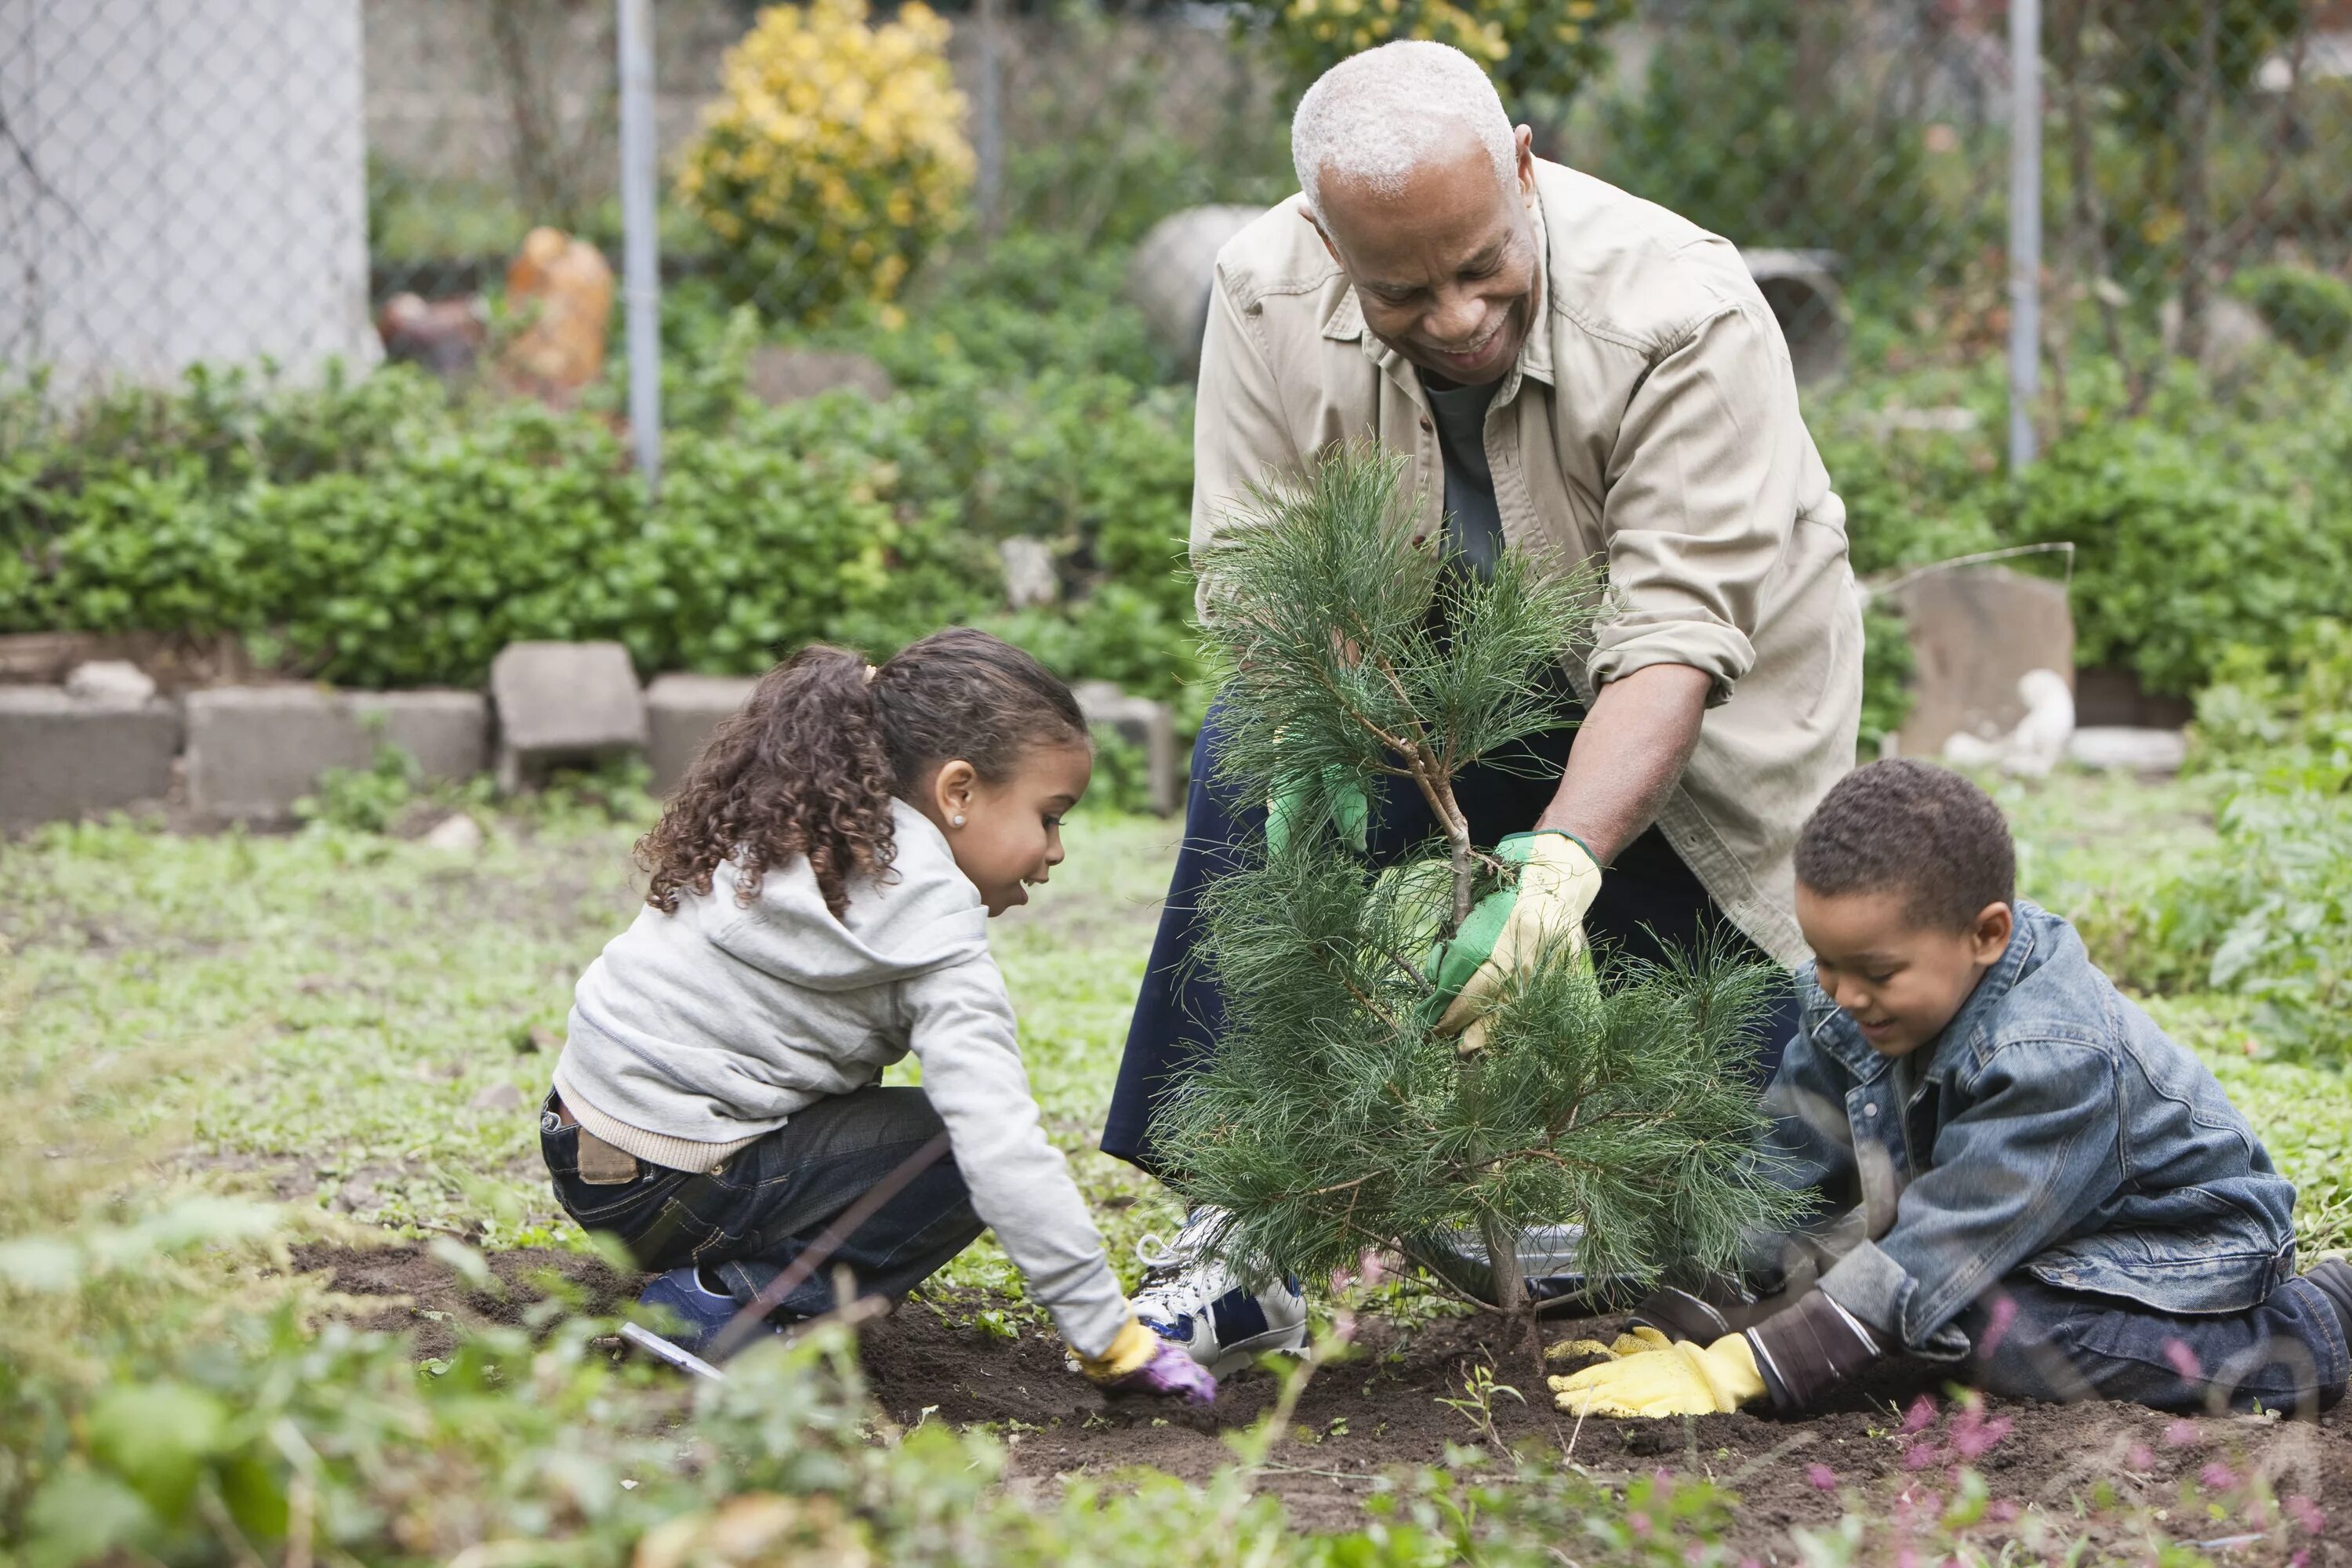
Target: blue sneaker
698,1311
1195,1300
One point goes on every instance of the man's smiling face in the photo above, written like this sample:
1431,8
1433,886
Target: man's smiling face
1445,267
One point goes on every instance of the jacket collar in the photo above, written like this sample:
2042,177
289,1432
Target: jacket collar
1836,1034
1346,323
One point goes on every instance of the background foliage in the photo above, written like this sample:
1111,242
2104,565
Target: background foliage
835,160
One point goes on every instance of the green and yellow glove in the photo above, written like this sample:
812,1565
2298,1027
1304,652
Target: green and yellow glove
1682,1380
1287,813
1558,878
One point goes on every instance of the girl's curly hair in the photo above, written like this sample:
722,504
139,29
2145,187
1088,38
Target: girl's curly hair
810,765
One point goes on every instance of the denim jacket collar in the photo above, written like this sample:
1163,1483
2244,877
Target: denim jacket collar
1838,1035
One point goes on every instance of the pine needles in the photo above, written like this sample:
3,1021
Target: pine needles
1332,1117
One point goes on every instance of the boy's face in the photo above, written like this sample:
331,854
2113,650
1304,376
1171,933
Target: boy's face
1899,982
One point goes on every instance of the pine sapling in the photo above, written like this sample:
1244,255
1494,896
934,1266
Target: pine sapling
1333,1114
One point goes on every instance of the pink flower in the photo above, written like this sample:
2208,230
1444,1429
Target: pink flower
1373,1267
2306,1513
2004,1313
1821,1477
1973,1435
1920,1455
1920,1416
2141,1458
1638,1523
2181,1435
2184,1361
2218,1476
2002,1511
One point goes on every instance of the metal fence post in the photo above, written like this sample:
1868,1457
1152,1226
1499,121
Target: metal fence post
2024,226
989,117
641,260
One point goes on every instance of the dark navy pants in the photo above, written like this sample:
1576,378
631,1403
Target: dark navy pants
1649,901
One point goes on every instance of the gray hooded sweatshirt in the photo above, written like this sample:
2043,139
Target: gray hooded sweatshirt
697,1032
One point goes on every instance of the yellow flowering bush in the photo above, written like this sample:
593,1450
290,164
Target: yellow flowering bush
834,160
1531,47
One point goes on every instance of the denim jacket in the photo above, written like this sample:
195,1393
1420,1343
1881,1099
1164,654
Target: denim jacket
2056,1130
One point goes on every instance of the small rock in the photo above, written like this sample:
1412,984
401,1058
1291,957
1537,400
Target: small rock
1029,575
458,835
110,683
2123,748
777,374
498,1097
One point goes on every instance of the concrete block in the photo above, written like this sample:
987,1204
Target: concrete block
2124,748
1149,726
1978,631
254,751
778,375
564,703
680,712
62,758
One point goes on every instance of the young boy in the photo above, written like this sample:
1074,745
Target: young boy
2013,1170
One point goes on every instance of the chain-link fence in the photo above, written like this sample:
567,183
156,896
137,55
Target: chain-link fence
233,180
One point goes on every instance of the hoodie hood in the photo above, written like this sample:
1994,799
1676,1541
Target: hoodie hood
919,915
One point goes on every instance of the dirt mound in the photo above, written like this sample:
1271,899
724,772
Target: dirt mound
1381,1410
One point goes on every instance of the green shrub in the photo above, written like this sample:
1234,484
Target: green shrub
2310,312
2259,727
2272,912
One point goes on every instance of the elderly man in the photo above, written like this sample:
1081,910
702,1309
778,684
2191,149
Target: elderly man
1570,369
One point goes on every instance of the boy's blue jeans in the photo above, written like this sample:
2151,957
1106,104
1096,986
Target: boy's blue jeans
2288,1354
746,1224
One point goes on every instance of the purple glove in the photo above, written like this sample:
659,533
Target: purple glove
1171,1371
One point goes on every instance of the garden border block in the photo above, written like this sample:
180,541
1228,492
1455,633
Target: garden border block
61,758
564,702
254,751
681,710
1147,725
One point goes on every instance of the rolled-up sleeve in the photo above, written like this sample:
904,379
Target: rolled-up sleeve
1239,437
1701,500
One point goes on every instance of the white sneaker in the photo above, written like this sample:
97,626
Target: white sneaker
1194,1300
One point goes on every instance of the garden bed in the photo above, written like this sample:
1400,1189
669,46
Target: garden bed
2113,1472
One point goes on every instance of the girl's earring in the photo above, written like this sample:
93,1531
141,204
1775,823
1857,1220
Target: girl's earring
956,821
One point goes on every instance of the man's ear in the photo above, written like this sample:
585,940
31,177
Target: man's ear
1524,138
951,790
1320,233
1990,936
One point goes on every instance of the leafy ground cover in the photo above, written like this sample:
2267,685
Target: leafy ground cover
355,1029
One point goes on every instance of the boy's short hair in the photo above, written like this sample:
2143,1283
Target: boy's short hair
1911,826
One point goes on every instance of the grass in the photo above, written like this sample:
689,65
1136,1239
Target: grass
367,1024
346,1022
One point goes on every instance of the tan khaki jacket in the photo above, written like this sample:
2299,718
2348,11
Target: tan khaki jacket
1649,424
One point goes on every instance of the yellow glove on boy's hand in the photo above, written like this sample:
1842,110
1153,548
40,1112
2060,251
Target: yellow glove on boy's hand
1134,1346
1558,878
1682,1380
1634,1341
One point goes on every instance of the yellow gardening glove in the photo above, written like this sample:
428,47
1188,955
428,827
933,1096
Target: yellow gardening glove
1133,1346
1636,1341
1682,1380
1558,878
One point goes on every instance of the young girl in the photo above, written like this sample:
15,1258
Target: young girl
821,885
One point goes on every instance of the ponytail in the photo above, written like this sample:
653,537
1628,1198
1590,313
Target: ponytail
810,765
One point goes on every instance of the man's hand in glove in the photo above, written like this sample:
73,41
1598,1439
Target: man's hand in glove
1683,1380
1638,1341
1141,1361
1558,877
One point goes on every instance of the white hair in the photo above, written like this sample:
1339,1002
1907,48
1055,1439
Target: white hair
1375,118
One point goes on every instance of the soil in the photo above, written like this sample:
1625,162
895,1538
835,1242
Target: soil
1381,1411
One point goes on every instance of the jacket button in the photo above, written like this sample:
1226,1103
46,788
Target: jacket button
1870,1110
1425,425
